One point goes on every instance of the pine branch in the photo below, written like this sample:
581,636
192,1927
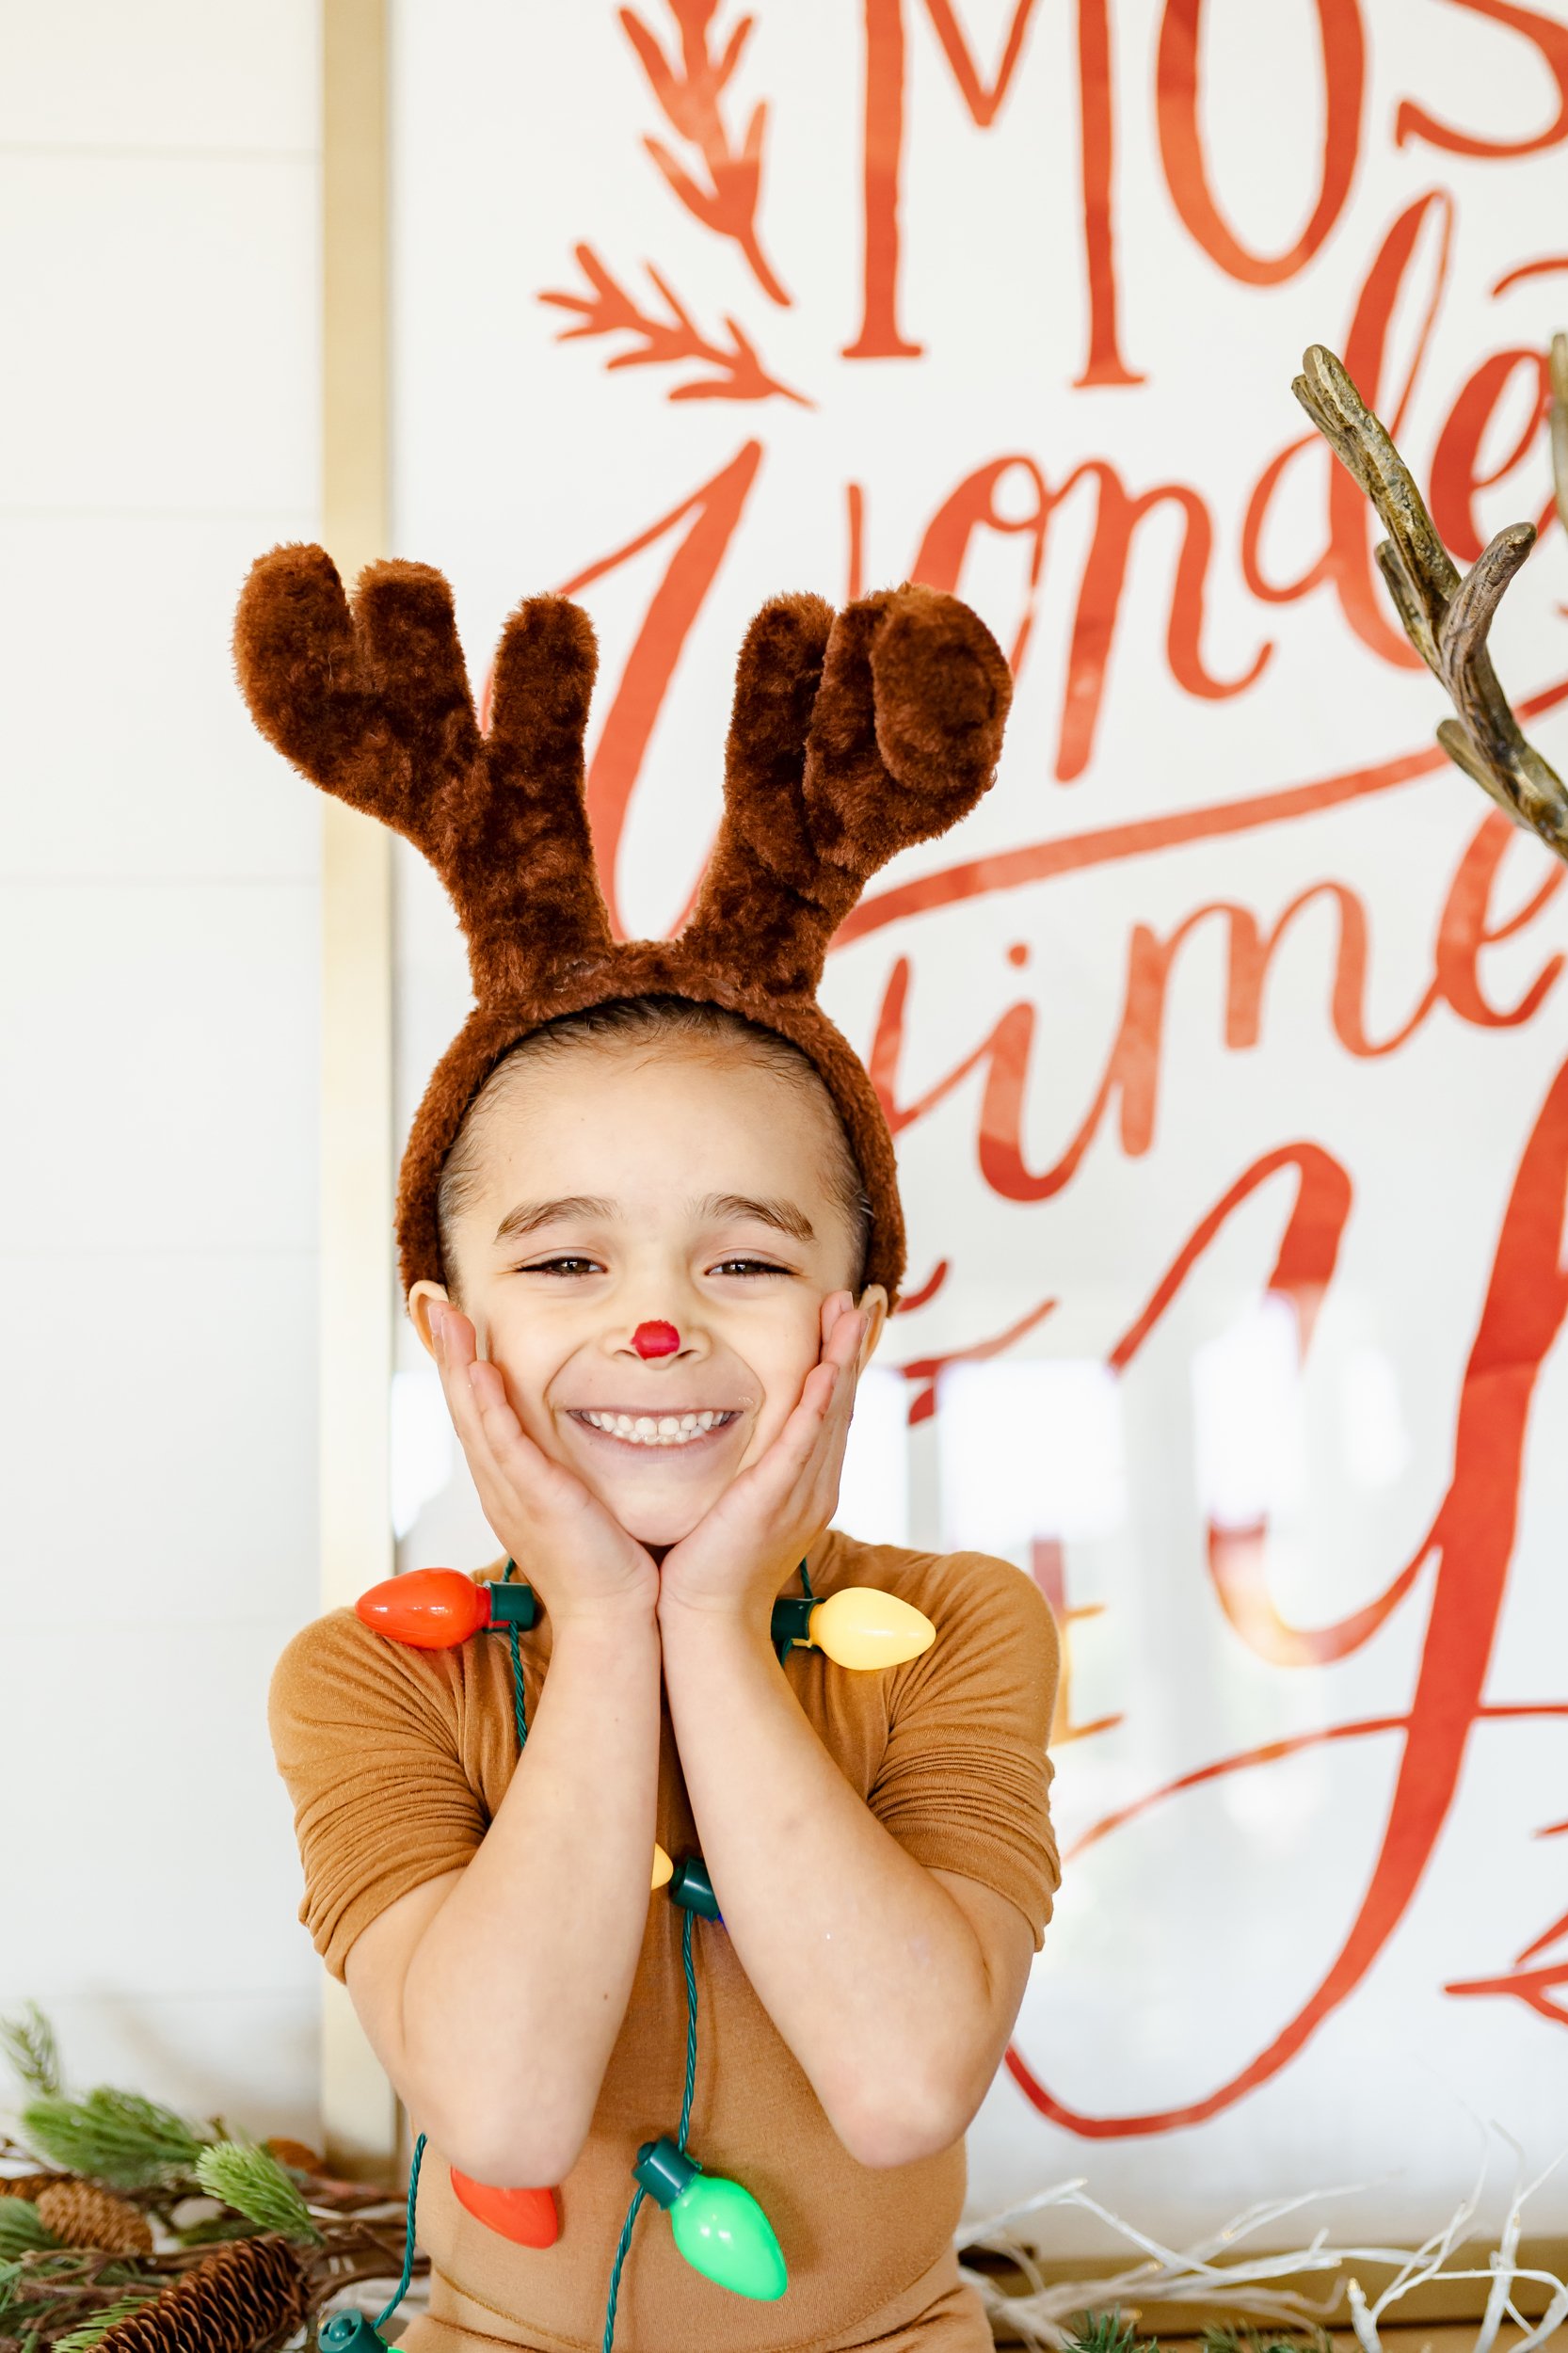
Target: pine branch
113,2137
28,2042
21,2231
252,2180
81,2340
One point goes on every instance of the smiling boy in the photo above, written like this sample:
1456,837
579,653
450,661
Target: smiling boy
662,1237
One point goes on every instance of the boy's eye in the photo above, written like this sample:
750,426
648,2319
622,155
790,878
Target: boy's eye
749,1265
566,1262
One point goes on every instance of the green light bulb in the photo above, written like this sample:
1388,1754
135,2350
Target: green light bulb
719,2228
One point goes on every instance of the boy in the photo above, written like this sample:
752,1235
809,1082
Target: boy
650,1233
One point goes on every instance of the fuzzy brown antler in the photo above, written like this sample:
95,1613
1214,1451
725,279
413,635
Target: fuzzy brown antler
1447,618
373,704
852,738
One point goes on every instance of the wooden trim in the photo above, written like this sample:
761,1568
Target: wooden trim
359,2111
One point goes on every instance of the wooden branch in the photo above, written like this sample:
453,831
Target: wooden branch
1447,618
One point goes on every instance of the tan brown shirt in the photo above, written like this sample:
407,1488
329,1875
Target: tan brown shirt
397,1759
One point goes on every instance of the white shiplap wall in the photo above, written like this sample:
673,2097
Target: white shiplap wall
159,198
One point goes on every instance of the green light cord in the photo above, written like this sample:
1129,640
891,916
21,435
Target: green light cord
519,1701
633,2211
688,1921
402,2290
806,1583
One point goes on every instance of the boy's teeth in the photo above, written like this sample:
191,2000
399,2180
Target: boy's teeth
656,1430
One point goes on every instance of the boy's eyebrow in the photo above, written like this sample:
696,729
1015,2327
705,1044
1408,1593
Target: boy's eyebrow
782,1215
530,1215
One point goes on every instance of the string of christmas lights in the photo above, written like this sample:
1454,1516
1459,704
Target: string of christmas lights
718,2227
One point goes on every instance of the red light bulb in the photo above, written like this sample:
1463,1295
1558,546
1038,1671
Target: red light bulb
526,2216
428,1608
655,1339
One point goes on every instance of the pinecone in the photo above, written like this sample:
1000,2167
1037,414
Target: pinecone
241,2300
30,2184
81,2214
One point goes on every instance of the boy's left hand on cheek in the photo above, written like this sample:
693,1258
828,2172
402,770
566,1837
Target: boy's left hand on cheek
743,1548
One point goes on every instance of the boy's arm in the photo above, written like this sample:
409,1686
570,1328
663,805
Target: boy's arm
895,1987
494,1996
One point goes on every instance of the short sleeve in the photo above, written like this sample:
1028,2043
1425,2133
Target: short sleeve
365,1736
965,1780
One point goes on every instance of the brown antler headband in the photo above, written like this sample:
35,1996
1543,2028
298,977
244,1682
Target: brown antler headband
851,737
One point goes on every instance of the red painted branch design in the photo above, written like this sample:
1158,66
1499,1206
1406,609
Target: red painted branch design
689,91
609,310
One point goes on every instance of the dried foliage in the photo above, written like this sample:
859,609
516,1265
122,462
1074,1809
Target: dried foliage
1447,618
608,309
1217,2273
690,88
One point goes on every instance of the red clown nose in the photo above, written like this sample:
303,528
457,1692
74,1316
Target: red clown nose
655,1339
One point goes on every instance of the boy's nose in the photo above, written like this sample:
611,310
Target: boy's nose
655,1339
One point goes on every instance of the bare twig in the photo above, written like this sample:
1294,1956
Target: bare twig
1211,2272
1447,618
609,310
689,91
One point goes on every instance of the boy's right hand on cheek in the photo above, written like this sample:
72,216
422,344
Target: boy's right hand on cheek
578,1558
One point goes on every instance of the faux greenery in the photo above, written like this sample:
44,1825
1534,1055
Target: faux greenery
28,2043
116,2137
252,2180
58,2298
82,2339
21,2231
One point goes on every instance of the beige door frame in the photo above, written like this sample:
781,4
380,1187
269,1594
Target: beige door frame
358,2110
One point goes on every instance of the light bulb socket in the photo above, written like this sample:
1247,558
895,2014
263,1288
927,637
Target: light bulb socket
665,2171
512,1605
693,1890
792,1622
350,2333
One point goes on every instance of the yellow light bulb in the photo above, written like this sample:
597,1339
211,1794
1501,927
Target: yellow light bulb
663,1869
860,1627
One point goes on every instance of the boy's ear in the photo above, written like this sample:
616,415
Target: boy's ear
424,1296
873,1301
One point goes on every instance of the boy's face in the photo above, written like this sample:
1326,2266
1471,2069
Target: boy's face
620,1186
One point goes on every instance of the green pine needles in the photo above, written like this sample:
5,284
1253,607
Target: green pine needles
252,2180
28,2043
21,2231
116,2137
1114,2333
83,2339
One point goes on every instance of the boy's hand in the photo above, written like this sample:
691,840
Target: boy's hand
741,1551
579,1560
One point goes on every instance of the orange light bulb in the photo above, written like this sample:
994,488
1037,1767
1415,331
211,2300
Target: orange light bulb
526,2216
438,1608
428,1608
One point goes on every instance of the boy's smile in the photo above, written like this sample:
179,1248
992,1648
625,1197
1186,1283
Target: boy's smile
621,1190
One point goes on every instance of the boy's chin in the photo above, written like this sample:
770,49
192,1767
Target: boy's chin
653,1518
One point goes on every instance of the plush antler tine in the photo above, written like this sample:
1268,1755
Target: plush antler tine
759,908
373,704
297,665
514,848
907,728
412,662
1445,618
